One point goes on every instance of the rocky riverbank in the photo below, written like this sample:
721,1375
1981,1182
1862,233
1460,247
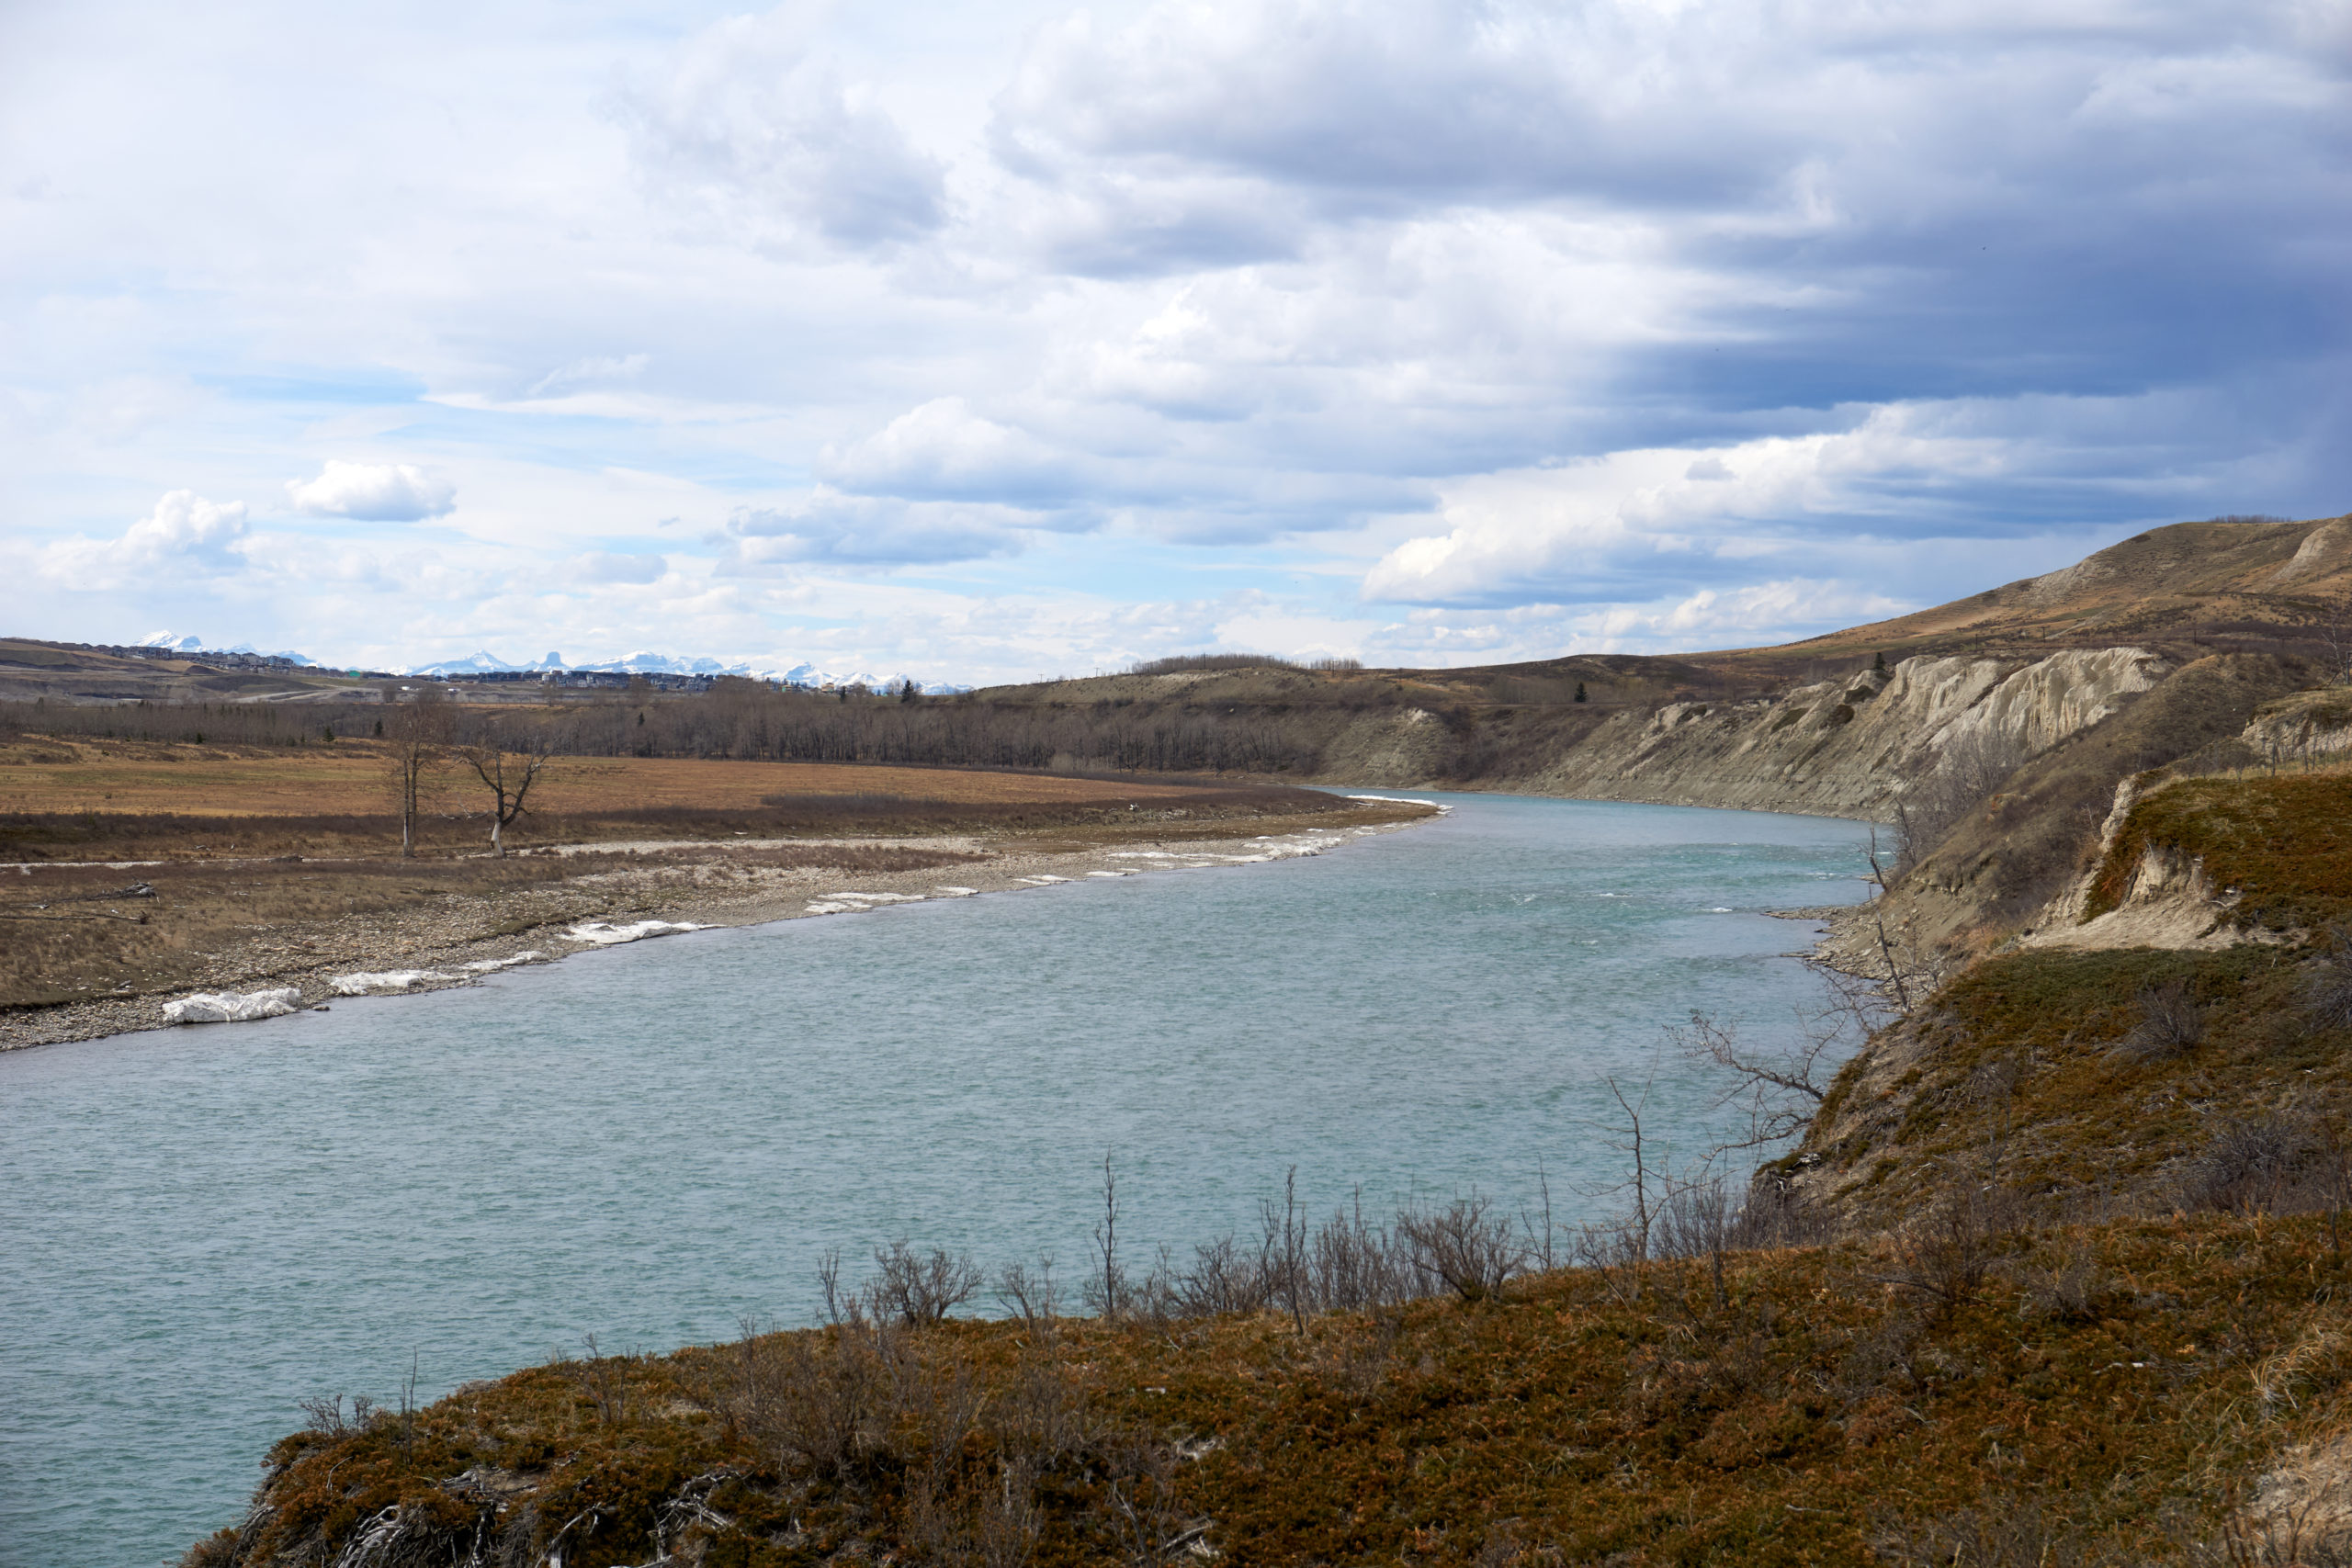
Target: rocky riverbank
592,895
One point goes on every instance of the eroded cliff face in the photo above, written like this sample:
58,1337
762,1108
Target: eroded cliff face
1847,747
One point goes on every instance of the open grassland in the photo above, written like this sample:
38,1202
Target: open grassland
2103,1394
113,799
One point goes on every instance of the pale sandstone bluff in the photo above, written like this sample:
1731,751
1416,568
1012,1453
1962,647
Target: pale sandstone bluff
1838,747
2169,902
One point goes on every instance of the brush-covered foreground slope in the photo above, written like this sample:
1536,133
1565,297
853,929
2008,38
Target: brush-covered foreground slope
2108,1393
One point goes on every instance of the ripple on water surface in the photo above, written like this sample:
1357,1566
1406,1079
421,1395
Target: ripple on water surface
648,1142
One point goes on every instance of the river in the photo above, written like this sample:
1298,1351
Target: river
648,1143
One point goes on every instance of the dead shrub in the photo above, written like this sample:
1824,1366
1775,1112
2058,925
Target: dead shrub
1032,1297
2172,1023
920,1289
2005,1532
2327,990
1471,1250
2254,1167
2069,1288
1946,1254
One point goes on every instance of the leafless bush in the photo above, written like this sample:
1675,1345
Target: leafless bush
604,1380
2010,1532
1697,1221
1031,1296
2326,990
1224,1279
1286,1249
324,1415
2256,1166
2069,1287
824,1401
920,1289
1772,1216
1346,1264
1355,1267
1965,773
1946,1254
1465,1245
2172,1022
1151,1523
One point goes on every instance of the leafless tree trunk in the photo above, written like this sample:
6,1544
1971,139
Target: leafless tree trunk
419,737
1106,1243
508,775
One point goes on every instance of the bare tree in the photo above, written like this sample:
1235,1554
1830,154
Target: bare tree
1779,1090
1112,1283
418,737
1965,775
1908,971
1625,1242
508,773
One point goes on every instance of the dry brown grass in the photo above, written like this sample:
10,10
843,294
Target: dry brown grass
39,775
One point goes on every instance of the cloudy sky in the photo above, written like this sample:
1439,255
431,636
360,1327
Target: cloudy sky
985,342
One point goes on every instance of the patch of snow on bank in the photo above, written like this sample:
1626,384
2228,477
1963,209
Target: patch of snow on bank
851,903
384,982
490,965
231,1007
1402,800
956,892
1041,881
601,934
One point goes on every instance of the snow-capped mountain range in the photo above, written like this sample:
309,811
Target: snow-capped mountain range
638,663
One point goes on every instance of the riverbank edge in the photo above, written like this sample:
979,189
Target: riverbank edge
712,890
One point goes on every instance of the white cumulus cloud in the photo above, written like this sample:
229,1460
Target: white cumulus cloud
945,449
185,534
374,492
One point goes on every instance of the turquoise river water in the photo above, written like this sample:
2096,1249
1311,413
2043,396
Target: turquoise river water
647,1142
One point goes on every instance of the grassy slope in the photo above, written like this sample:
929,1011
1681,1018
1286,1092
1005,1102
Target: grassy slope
2023,1068
2283,843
